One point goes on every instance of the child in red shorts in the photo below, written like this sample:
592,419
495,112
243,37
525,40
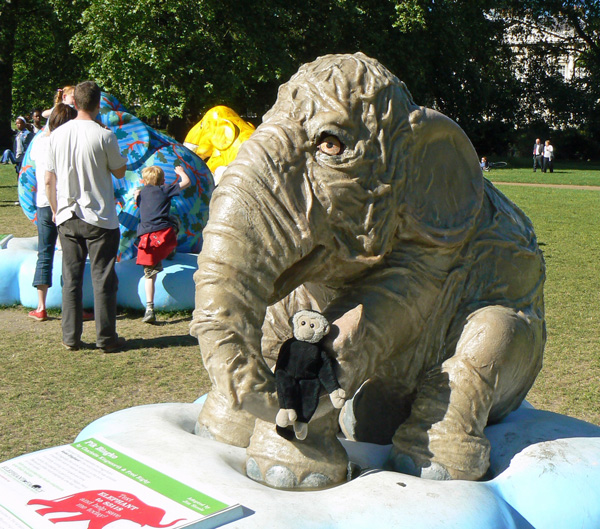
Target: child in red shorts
157,231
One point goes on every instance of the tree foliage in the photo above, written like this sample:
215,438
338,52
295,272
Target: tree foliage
35,58
171,60
455,60
550,104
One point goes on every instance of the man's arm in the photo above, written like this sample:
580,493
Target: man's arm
114,156
50,181
120,172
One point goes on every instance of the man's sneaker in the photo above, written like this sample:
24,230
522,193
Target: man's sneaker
39,315
149,316
114,347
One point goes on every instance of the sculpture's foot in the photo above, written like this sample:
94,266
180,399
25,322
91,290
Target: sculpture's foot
443,437
220,422
468,460
403,463
317,462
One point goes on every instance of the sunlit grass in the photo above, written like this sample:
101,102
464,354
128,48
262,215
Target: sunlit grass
49,394
566,223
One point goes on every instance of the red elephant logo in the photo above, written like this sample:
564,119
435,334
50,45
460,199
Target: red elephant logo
103,507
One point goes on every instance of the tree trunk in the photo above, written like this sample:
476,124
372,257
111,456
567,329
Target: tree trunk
8,20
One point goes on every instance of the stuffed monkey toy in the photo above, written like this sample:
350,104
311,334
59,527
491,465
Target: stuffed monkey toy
302,368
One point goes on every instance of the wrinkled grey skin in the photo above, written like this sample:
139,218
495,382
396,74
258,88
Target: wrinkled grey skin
432,278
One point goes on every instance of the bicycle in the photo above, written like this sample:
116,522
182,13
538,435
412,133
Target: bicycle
495,165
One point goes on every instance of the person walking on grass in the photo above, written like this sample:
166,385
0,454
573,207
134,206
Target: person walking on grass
22,140
157,229
538,155
548,157
81,158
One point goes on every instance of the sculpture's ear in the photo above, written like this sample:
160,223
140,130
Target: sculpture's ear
225,134
444,183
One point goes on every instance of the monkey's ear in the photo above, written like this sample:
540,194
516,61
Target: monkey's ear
294,319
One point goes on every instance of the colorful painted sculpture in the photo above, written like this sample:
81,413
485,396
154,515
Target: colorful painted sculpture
217,137
143,146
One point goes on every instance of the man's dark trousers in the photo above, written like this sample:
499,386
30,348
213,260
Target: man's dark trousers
78,238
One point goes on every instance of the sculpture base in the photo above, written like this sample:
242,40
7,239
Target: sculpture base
544,473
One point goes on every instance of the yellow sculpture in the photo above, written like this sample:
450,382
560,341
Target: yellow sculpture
217,137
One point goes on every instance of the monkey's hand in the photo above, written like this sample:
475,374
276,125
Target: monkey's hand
285,417
338,397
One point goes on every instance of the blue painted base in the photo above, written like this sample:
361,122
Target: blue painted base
545,471
174,289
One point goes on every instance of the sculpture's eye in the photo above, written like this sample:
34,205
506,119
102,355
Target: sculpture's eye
330,145
303,323
312,325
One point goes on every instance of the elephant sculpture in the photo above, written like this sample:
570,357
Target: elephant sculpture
351,200
217,137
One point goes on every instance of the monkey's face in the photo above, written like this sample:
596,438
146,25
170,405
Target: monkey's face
309,326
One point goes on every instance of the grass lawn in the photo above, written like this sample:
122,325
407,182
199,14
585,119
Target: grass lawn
568,230
50,394
569,173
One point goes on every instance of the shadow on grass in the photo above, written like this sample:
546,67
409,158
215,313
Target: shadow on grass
160,342
134,344
130,317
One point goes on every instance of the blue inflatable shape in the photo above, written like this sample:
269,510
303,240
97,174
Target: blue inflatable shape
174,288
143,147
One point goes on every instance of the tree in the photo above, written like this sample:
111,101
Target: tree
564,107
453,57
171,60
35,58
177,58
43,59
8,14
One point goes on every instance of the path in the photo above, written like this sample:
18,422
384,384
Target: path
560,186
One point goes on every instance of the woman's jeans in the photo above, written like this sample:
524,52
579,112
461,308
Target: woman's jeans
47,235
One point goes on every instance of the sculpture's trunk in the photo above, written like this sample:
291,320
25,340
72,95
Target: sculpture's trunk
255,233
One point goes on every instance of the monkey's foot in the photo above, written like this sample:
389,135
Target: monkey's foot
317,462
220,422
